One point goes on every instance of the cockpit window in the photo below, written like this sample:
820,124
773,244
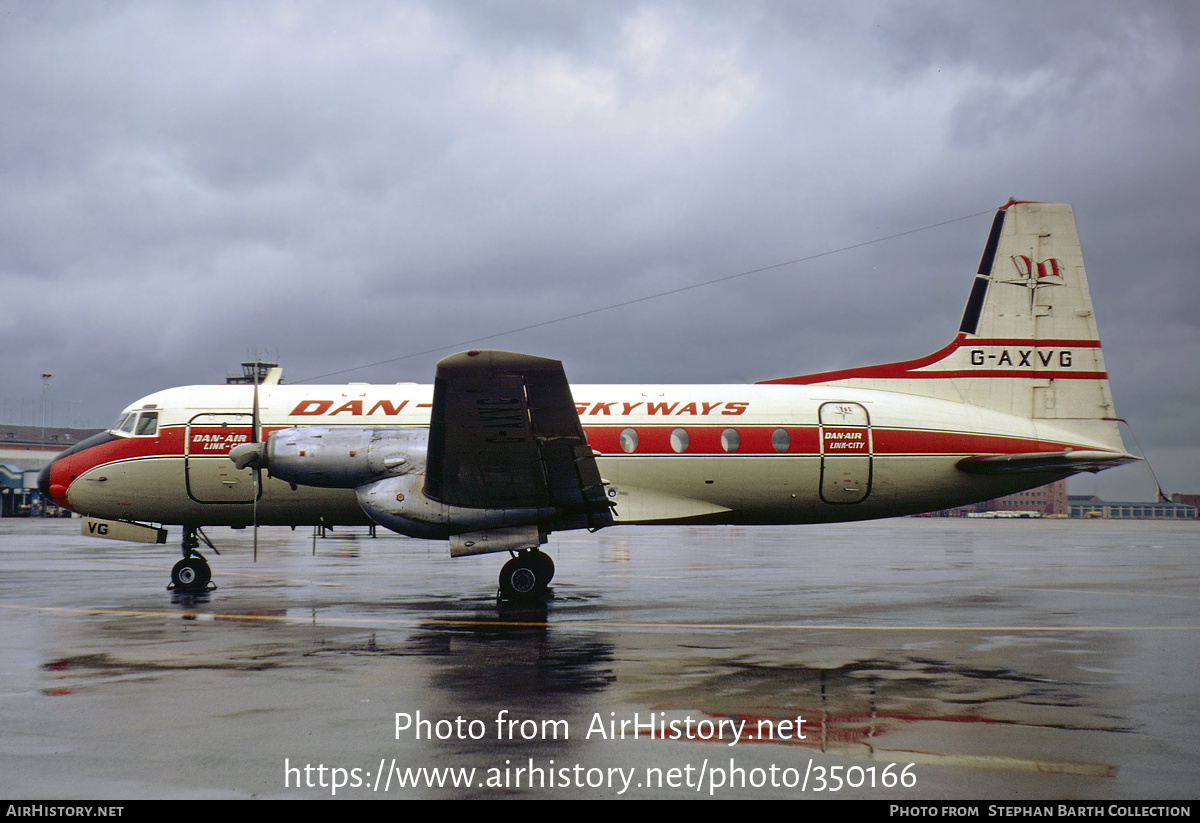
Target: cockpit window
147,424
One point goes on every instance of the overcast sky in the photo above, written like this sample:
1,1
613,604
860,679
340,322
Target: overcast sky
185,184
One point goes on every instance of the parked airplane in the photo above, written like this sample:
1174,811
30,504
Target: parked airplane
500,451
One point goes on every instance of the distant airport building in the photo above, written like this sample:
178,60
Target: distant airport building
1045,501
1187,499
31,447
1048,500
24,450
1087,506
253,371
16,497
1053,501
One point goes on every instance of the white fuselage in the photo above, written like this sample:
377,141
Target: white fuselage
745,454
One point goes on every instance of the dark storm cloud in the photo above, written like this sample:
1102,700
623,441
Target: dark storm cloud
182,184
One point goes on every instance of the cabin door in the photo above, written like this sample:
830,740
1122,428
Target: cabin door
211,475
845,430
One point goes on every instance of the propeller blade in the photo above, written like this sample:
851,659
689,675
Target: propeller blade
257,489
256,438
255,427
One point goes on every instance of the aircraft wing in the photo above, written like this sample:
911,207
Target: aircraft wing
504,433
1068,462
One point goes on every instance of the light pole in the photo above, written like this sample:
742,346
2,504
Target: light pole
45,385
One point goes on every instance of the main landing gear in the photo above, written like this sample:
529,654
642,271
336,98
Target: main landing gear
192,574
526,575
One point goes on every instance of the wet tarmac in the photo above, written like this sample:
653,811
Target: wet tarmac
914,659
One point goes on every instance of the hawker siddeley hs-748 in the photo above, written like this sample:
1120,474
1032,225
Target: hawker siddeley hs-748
500,452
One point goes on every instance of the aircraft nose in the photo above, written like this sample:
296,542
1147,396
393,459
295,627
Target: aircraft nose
54,479
52,484
44,479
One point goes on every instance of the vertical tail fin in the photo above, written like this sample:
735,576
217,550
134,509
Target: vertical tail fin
1027,345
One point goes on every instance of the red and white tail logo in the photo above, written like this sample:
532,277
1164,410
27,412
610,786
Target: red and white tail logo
1049,271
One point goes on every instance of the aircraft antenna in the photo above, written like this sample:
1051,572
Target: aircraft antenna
1162,496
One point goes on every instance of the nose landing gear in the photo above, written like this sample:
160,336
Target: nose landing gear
192,573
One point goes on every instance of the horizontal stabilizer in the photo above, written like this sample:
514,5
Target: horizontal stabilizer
1069,461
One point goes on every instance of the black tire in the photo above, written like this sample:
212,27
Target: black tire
524,577
191,574
546,563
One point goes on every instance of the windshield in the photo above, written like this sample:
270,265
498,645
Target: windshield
145,425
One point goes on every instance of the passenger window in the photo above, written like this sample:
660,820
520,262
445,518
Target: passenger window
679,441
629,441
781,440
730,440
147,424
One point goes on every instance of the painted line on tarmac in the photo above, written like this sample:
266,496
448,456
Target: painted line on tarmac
368,622
1039,589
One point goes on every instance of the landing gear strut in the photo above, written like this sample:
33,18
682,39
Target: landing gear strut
192,574
526,575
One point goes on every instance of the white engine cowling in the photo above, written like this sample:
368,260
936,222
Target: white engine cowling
344,457
400,504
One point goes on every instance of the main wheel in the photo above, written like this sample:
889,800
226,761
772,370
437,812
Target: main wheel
191,574
525,577
547,564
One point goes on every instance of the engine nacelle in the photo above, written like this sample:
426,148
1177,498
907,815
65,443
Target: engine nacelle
400,504
386,468
344,457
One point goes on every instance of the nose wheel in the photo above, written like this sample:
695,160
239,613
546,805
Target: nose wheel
526,576
191,574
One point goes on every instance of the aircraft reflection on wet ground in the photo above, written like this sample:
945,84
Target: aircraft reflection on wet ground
1004,659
